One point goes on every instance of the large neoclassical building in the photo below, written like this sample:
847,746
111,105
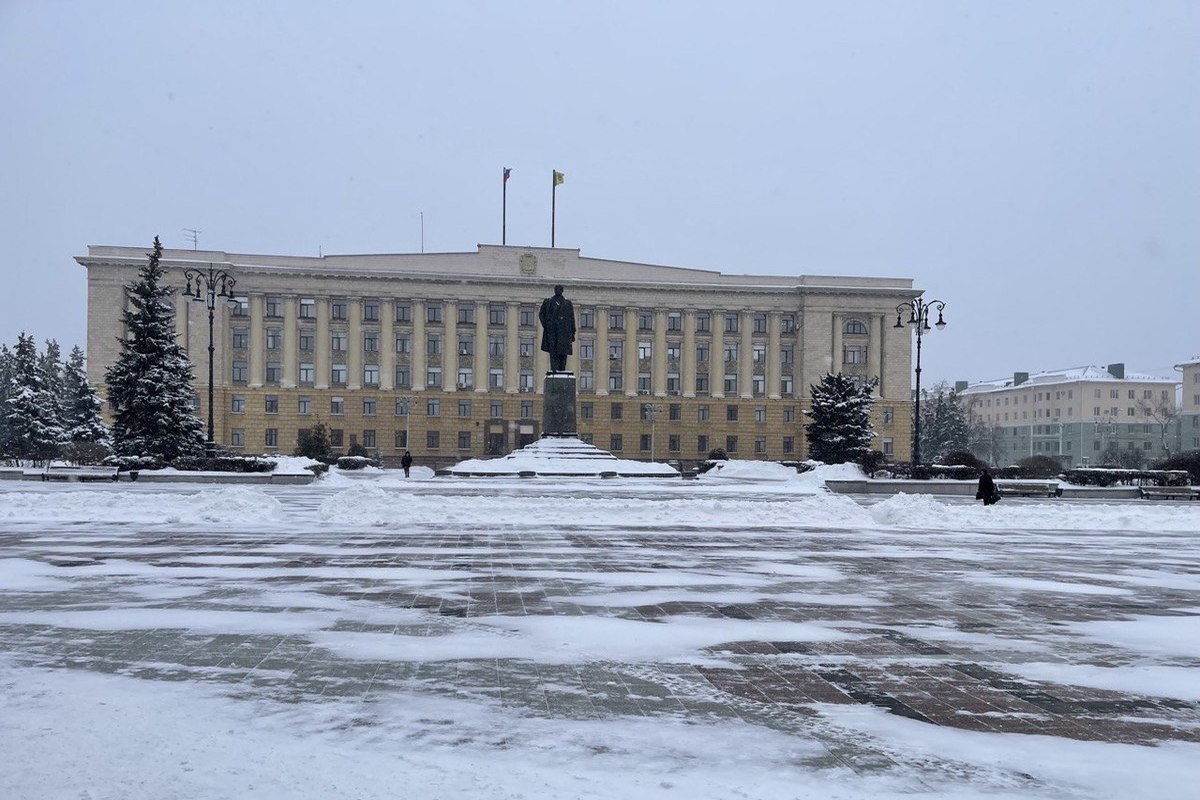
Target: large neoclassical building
439,353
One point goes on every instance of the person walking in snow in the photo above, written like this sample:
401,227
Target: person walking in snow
406,462
987,489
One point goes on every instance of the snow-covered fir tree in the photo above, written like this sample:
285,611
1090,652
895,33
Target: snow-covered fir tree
33,429
150,384
51,367
839,427
81,404
6,365
944,425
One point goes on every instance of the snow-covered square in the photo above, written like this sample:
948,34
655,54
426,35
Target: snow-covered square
735,636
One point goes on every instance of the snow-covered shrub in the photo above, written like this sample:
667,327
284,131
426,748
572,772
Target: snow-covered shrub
355,462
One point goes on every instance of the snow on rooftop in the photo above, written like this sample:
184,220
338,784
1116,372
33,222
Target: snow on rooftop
1069,375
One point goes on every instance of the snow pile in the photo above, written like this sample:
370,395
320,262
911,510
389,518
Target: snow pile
236,504
293,465
815,478
926,512
561,456
751,472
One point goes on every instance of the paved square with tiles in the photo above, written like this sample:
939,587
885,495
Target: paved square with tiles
770,626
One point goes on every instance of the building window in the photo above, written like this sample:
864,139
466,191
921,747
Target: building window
464,408
308,308
786,385
271,437
239,404
702,352
703,322
339,341
466,345
337,374
241,339
758,352
645,349
307,340
731,444
369,406
888,446
854,327
527,316
702,412
274,372
854,354
402,406
587,348
336,436
614,442
526,345
731,413
304,405
674,321
496,346
496,378
731,352
789,413
368,439
788,322
760,445
496,314
616,411
237,437
616,319
760,413
616,350
274,307
308,373
645,320
403,311
371,374
702,444
433,377
433,344
673,351
433,313
370,310
758,385
760,323
337,405
587,317
674,412
464,440
673,386
616,382
433,440
889,415
789,445
241,306
731,323
701,383
587,381
644,442
274,338
271,404
371,342
585,411
433,407
466,314
497,409
643,383
338,309
731,384
525,380
403,378
239,372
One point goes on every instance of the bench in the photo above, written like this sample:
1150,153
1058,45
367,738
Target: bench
1028,489
80,474
1168,493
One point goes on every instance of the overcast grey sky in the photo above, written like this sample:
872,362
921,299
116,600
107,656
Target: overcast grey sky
1035,165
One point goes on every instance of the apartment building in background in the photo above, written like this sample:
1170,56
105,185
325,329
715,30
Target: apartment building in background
440,353
1076,414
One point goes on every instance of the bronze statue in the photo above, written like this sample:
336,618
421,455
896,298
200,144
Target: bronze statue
557,316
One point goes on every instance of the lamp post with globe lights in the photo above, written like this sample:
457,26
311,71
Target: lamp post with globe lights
208,287
918,317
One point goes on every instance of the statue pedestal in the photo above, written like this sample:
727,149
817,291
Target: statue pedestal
558,404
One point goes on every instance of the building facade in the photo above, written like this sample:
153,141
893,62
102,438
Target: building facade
440,353
1189,404
1075,415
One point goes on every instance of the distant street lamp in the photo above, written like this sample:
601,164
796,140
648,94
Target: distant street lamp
406,401
918,317
652,411
207,287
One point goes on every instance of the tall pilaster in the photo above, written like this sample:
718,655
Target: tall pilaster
746,355
659,362
257,353
875,350
630,370
450,348
687,375
600,362
291,342
480,359
774,365
512,346
387,345
837,344
716,356
323,344
354,361
419,346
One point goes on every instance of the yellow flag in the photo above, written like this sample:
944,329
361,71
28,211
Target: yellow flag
558,177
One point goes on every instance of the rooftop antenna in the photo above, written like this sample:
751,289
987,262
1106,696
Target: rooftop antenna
194,235
422,231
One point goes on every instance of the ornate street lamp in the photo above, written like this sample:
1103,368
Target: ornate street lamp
406,401
918,317
207,287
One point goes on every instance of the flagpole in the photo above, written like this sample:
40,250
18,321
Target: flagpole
553,197
504,208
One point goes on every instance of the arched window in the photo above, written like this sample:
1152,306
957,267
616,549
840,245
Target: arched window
855,326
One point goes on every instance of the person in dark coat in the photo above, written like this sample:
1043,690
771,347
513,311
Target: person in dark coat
557,316
987,489
406,462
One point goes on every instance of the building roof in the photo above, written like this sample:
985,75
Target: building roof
1088,373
